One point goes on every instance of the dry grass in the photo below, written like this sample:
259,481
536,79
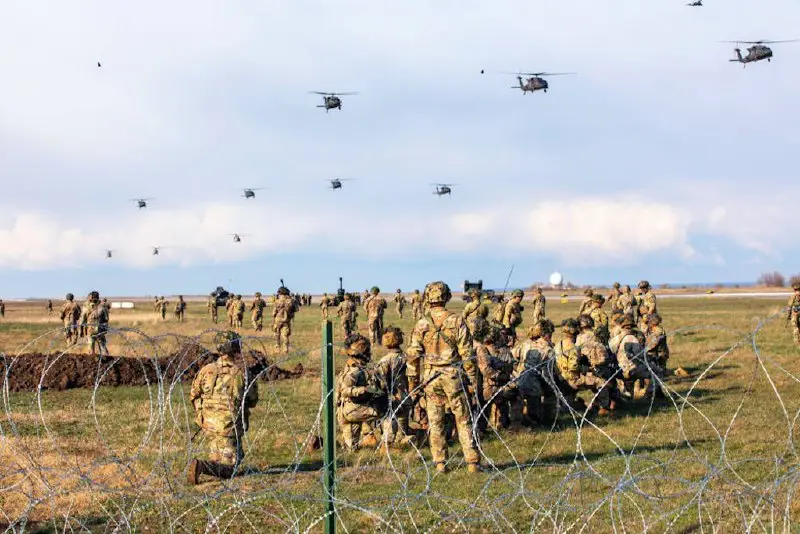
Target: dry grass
119,454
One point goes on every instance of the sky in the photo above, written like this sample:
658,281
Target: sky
659,159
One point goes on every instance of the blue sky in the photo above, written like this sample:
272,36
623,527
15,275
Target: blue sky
659,159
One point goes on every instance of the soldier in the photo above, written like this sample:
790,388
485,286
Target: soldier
539,303
162,307
793,313
416,305
512,313
474,310
222,397
365,297
531,356
347,315
581,367
323,306
400,303
212,308
441,352
627,303
86,309
632,360
647,304
180,308
2,309
586,302
496,365
70,314
97,325
391,376
600,318
356,392
157,305
282,315
49,307
257,312
229,311
613,296
237,309
656,342
375,307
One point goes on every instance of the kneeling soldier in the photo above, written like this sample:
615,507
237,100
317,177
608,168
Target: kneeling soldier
357,395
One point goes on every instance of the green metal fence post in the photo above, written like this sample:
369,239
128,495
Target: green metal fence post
329,417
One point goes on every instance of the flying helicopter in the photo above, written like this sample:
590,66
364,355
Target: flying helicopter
109,253
141,202
336,183
332,100
536,82
250,193
155,250
758,52
696,3
237,238
443,189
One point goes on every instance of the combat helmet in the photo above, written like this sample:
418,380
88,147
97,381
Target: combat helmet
539,290
616,285
517,293
238,297
258,294
588,291
437,293
597,297
392,337
357,346
644,284
70,297
796,286
283,290
375,290
541,329
586,322
627,321
94,296
571,326
480,329
398,291
416,291
228,343
654,318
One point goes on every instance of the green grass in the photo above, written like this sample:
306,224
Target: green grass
722,454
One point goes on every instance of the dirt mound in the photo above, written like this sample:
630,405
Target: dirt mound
68,371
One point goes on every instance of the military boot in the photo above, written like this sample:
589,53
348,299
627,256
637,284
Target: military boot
441,467
474,468
369,441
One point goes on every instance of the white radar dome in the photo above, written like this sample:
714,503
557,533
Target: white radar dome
556,279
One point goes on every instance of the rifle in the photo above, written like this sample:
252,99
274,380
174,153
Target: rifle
508,279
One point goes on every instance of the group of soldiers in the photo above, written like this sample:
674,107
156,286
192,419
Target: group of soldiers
88,321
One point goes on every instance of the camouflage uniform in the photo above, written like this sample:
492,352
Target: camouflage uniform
323,306
180,308
237,312
600,319
627,302
49,307
70,314
647,304
586,303
584,363
222,398
86,309
375,307
400,303
416,305
2,309
496,365
212,308
162,308
441,352
539,303
512,313
630,352
356,390
474,310
531,356
793,313
656,342
613,297
97,326
257,312
229,310
390,373
282,316
347,315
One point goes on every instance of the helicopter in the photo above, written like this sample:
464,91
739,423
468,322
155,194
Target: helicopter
250,193
758,52
336,183
109,253
237,238
141,202
443,189
155,250
331,100
696,3
536,82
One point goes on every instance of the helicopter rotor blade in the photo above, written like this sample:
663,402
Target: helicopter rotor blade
553,73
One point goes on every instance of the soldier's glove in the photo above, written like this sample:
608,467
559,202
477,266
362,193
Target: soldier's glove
374,391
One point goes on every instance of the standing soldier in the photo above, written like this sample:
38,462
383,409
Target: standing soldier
496,365
356,392
512,314
647,304
97,325
475,310
613,296
2,309
531,356
257,312
375,307
49,307
539,303
70,314
400,303
441,355
600,318
212,308
157,305
627,302
586,302
237,308
229,311
416,305
390,373
86,309
222,397
793,313
282,315
180,308
163,303
323,306
347,315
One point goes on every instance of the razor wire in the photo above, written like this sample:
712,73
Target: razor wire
102,443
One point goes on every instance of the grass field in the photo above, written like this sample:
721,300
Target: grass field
718,455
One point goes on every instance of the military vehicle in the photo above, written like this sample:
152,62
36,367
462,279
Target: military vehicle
339,297
487,294
221,296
